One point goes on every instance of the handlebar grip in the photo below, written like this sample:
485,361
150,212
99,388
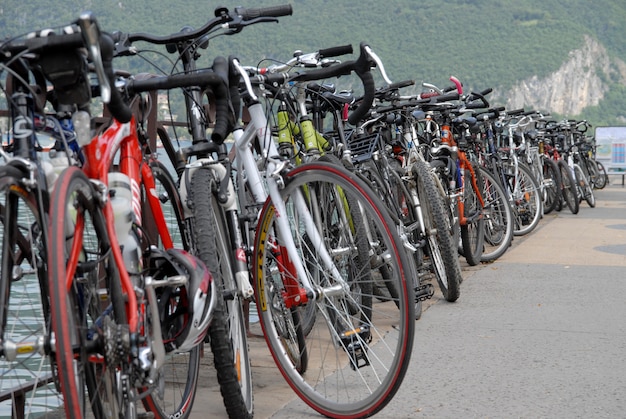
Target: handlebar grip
447,98
401,84
118,108
273,11
220,90
515,112
427,95
335,51
486,91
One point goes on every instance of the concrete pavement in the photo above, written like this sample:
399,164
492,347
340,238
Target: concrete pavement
538,333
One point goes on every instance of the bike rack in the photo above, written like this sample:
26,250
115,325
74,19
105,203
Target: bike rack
18,395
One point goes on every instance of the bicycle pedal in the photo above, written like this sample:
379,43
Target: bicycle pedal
145,415
352,342
424,292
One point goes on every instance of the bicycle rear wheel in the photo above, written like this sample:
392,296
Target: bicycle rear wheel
359,349
86,302
24,312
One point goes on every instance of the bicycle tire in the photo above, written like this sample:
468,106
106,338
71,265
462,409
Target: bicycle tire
178,377
24,310
442,250
227,333
91,332
552,185
570,195
586,190
473,232
527,201
498,218
322,389
602,178
398,201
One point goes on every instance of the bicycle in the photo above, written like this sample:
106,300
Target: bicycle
210,212
445,136
520,184
27,382
388,155
572,131
323,271
134,311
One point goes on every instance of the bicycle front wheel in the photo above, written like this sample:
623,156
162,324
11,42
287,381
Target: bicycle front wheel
498,218
442,249
473,231
24,311
178,377
527,201
359,348
570,194
585,187
601,177
552,185
86,303
227,333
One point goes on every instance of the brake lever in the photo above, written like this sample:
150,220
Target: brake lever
236,27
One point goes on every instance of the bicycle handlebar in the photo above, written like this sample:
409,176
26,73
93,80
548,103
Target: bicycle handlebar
361,67
83,33
235,21
216,79
335,51
260,12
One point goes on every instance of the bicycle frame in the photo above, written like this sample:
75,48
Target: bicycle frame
463,164
246,162
120,142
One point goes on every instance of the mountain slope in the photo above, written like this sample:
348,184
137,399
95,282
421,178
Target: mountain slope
484,43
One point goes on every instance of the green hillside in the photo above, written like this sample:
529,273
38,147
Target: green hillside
484,43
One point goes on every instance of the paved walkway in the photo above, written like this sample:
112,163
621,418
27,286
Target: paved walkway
538,333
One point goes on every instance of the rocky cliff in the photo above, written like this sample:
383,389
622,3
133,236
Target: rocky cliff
581,81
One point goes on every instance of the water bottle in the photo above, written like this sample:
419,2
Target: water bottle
121,196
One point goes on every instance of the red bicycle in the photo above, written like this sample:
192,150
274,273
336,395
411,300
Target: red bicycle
128,310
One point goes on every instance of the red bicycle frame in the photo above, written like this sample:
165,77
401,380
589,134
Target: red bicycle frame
119,142
464,164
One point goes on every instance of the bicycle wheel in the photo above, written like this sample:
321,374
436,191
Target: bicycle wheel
178,378
498,219
552,185
570,194
227,332
361,349
24,313
473,231
527,200
86,302
585,187
602,179
399,203
442,250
